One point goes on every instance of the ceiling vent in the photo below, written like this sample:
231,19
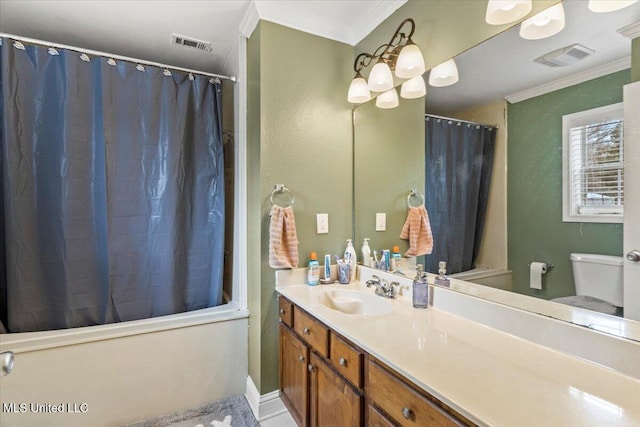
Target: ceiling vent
565,56
192,43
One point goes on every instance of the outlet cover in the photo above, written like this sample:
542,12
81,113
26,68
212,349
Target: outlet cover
322,223
381,222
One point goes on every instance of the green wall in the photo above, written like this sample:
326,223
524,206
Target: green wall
534,196
635,59
299,135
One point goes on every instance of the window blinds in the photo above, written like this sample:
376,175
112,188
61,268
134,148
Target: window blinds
597,173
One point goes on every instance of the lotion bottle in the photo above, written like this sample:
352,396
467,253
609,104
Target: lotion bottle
350,257
366,253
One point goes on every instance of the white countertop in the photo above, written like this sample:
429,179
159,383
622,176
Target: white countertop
491,377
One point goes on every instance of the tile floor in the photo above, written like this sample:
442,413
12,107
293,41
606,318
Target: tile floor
282,420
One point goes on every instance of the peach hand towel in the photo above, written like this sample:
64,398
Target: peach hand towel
283,239
418,231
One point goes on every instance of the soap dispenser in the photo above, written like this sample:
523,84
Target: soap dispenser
350,258
366,253
442,279
420,289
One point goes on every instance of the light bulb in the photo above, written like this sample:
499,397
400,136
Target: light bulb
410,62
358,90
380,78
505,11
388,99
414,88
544,24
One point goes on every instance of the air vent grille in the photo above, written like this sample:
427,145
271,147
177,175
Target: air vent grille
192,43
565,56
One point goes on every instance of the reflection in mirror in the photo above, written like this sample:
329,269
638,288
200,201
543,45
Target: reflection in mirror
500,84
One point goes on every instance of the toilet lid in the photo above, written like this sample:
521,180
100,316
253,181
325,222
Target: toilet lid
590,303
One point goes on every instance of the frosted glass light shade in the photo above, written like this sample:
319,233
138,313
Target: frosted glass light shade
410,62
358,90
544,24
504,11
414,88
444,74
388,99
609,5
380,78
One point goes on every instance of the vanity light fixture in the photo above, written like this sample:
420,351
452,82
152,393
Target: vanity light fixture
400,55
413,88
505,11
609,5
544,24
444,74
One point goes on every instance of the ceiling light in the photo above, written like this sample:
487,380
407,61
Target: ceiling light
388,99
358,90
544,24
444,74
609,5
414,88
505,11
401,55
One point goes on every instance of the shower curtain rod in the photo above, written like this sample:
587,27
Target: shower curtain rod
110,55
461,121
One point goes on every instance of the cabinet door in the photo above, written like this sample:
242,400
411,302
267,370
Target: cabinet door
294,383
333,401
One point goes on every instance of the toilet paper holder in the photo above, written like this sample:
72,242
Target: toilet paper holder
548,265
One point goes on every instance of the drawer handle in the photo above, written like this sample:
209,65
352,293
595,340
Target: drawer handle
310,367
282,311
301,359
407,413
306,331
342,361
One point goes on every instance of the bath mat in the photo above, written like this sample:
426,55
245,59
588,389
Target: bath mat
233,411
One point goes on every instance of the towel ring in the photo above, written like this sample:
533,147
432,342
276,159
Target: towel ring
279,189
417,194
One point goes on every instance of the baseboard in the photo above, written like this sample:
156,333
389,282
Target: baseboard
264,406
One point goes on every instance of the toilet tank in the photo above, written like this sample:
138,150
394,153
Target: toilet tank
598,276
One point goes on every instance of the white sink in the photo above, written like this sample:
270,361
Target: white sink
351,302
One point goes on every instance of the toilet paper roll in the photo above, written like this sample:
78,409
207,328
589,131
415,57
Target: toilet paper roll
536,270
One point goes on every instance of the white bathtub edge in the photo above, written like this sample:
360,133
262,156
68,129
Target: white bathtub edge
34,341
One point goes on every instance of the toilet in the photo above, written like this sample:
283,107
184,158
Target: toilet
598,280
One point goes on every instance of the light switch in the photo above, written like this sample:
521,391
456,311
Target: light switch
322,223
381,222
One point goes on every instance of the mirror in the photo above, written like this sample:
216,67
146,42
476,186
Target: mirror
389,156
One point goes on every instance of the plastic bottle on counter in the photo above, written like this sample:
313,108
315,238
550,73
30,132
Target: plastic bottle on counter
350,257
396,258
366,253
313,275
442,279
420,289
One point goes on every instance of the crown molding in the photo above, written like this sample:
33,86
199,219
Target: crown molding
583,76
250,20
280,13
631,31
375,17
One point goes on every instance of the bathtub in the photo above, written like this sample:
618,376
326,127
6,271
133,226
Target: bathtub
493,277
116,374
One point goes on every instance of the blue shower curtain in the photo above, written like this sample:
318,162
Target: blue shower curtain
459,158
112,185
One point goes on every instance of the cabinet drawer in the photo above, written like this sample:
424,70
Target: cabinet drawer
285,311
312,331
346,359
405,405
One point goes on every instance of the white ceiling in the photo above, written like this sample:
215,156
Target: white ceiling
503,66
142,28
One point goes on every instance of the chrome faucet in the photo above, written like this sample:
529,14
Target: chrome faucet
383,288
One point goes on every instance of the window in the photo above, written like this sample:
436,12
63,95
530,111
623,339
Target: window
593,167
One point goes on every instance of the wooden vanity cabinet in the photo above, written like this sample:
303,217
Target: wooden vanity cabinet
324,380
